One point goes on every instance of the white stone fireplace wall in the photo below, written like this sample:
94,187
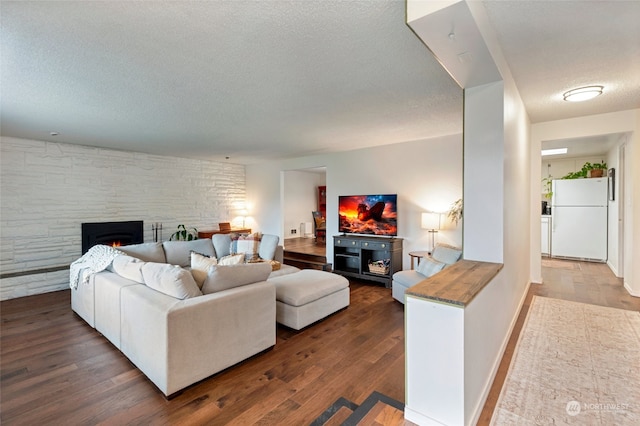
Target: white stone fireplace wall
48,189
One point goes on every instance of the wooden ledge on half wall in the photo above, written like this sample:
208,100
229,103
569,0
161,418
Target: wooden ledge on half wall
457,284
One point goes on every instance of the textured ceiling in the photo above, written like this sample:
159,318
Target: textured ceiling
255,80
555,46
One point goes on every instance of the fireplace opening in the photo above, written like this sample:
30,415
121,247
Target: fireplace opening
112,233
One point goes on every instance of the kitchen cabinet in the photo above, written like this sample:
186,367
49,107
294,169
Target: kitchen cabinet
545,235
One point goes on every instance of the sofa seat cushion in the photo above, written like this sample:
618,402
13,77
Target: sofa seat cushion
408,278
179,252
148,252
171,280
223,277
306,286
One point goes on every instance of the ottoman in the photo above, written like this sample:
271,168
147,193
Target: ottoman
309,295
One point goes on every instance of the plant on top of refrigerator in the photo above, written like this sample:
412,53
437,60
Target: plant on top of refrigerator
586,168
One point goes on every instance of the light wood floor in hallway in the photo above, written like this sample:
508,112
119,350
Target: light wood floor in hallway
585,282
55,369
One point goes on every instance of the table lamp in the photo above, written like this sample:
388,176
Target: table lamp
431,221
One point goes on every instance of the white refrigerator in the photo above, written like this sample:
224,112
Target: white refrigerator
579,218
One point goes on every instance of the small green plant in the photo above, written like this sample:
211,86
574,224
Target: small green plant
455,211
547,187
586,168
184,234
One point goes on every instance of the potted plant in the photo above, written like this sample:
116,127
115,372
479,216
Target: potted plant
547,187
455,211
184,234
588,170
597,169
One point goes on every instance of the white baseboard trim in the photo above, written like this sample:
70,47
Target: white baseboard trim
628,288
420,419
613,269
496,363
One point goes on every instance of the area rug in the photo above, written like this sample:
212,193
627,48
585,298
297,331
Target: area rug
574,364
560,264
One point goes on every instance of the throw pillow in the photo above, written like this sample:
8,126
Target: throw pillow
446,254
249,245
221,243
200,267
232,259
268,246
223,277
128,267
429,266
171,280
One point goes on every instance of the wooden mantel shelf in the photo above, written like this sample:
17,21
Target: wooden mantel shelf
458,284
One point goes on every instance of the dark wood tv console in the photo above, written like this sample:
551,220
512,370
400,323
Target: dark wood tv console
353,253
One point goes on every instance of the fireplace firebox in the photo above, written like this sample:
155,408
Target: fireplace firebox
112,233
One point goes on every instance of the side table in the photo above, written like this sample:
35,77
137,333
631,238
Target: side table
207,233
418,255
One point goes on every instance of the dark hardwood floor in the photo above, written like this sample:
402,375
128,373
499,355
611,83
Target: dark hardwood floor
306,253
306,246
55,369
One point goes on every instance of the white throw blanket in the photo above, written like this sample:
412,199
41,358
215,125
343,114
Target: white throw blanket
96,259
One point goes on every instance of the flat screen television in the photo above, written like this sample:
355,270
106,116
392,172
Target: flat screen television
368,214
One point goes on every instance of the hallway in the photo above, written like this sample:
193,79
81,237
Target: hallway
585,282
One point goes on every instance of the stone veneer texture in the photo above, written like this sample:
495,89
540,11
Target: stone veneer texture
48,189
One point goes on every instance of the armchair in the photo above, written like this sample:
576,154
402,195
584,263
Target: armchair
442,256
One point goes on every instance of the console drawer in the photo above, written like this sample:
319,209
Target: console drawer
346,242
375,245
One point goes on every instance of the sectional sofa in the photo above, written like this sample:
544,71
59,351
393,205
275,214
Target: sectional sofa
178,329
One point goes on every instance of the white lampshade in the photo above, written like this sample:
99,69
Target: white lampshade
430,220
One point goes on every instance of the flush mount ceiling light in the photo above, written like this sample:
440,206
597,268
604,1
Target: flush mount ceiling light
583,93
554,151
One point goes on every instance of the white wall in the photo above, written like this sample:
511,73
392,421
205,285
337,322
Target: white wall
484,151
426,175
49,189
627,122
500,145
300,199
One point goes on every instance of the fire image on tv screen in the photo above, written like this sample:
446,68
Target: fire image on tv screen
368,214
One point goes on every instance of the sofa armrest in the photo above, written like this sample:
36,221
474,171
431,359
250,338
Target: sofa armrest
179,342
